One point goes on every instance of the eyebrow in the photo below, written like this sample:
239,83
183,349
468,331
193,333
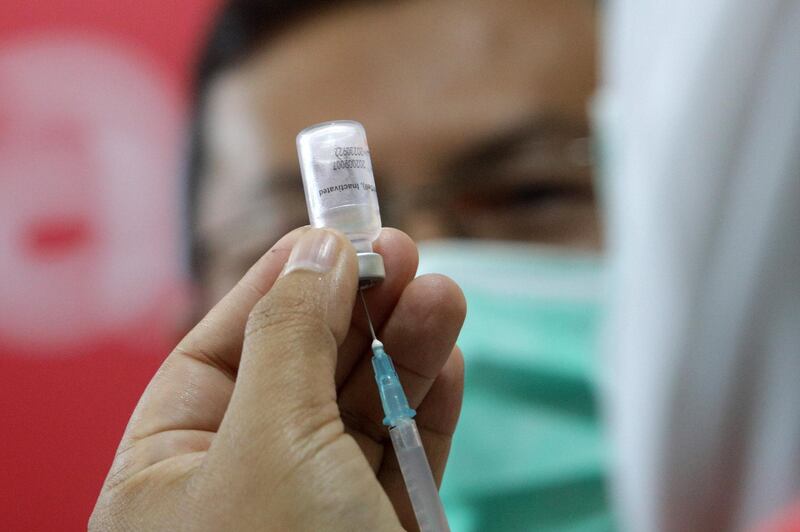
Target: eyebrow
501,146
470,164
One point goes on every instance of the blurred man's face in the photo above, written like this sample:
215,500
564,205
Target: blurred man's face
475,112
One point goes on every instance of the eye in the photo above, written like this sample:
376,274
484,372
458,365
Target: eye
522,192
550,191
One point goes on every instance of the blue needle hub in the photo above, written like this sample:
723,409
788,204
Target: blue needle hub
393,398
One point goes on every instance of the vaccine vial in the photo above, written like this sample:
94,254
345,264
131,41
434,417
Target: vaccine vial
340,188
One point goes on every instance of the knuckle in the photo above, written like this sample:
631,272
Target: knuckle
112,510
278,308
295,316
313,424
271,321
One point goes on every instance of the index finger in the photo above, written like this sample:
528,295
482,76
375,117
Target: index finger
192,388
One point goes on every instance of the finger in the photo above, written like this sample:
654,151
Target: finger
219,335
437,415
436,420
284,403
400,260
419,336
192,388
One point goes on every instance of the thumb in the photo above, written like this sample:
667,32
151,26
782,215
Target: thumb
285,389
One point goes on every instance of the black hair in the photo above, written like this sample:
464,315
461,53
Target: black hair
240,28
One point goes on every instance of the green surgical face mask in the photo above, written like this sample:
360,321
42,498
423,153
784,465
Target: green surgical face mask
527,454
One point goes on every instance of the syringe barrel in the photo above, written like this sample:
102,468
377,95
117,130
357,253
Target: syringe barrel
418,477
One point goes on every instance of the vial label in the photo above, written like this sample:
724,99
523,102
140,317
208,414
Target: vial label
337,176
350,176
349,157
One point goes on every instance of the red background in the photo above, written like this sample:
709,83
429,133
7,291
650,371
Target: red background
62,415
63,411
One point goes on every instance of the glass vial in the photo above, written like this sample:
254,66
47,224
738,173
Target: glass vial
340,188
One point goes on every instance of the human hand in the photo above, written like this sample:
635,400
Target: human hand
266,415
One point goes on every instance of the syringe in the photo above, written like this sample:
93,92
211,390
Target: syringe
413,462
340,193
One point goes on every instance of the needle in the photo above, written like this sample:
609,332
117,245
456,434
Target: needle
366,311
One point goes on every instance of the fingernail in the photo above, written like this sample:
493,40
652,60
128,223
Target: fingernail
316,251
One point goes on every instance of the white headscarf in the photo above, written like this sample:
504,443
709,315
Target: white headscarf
699,123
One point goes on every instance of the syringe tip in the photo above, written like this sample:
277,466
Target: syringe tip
377,344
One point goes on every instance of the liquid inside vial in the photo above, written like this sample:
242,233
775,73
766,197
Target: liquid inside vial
338,180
